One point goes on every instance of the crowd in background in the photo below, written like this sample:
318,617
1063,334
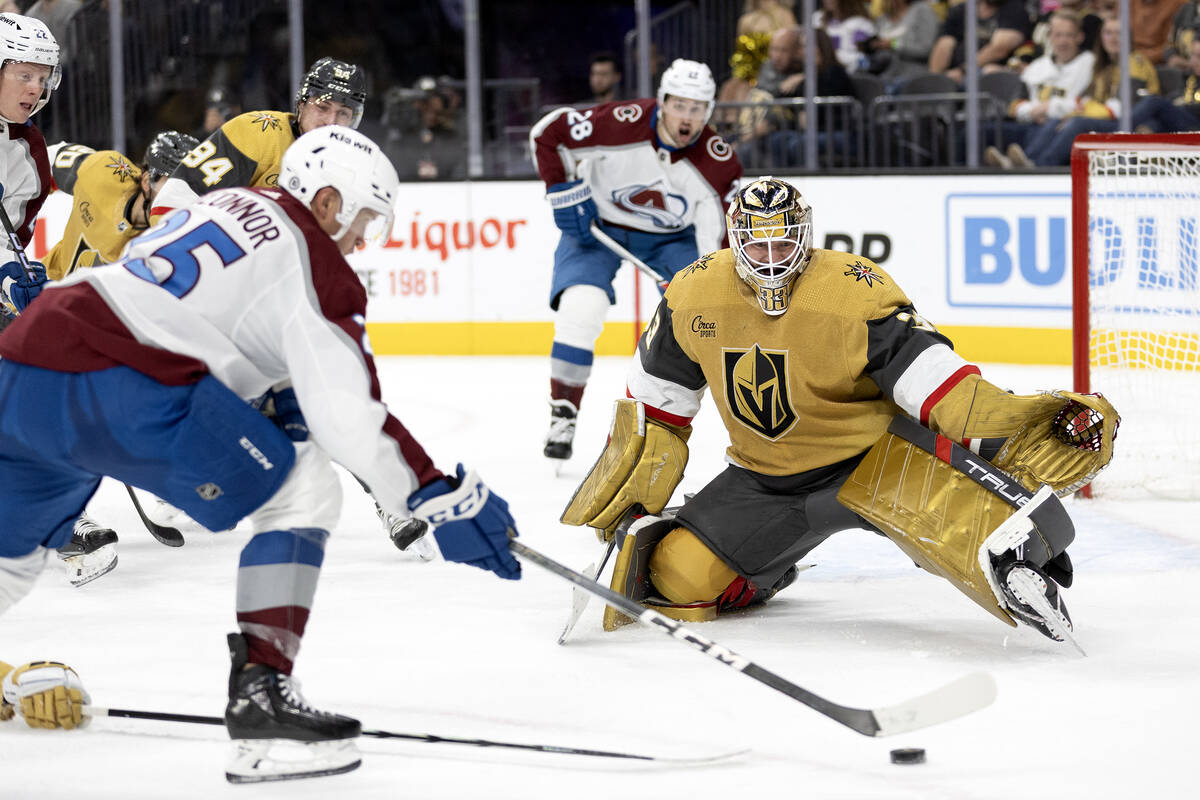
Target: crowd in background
1052,65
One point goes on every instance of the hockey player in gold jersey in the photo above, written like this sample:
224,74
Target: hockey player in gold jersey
246,150
844,409
112,199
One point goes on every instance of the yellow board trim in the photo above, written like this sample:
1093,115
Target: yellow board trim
1003,345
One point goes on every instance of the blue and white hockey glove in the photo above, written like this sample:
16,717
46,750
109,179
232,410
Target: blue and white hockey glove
281,406
17,287
574,209
470,522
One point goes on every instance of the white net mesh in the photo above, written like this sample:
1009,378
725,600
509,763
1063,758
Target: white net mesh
1144,338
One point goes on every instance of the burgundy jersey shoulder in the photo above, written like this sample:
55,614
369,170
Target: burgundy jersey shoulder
605,125
716,160
36,144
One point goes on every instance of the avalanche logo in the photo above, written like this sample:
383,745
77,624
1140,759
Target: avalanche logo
757,392
630,113
664,208
719,149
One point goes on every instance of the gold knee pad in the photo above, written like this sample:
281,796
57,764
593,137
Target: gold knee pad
684,570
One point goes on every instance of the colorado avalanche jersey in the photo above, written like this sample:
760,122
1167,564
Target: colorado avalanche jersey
25,173
245,286
806,389
635,180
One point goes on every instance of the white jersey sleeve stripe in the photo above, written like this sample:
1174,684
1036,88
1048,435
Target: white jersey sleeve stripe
664,395
931,374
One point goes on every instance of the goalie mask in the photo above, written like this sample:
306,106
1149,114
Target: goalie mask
348,161
330,79
28,40
770,233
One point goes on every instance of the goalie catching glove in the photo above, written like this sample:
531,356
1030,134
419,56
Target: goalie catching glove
46,694
470,522
642,463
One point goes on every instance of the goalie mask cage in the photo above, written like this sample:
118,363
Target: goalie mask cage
1136,298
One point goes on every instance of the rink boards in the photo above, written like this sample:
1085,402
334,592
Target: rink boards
466,269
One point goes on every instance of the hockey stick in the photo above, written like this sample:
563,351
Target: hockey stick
165,534
15,240
641,266
958,698
579,598
161,716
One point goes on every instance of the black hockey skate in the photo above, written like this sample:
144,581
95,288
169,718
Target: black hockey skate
90,553
562,430
1032,597
267,717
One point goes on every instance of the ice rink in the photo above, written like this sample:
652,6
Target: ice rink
450,650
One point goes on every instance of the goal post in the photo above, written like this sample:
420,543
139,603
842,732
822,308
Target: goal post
1135,202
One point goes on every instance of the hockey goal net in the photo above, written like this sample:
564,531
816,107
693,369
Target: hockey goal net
1136,262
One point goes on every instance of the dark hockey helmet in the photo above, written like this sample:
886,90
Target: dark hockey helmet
166,151
770,233
330,79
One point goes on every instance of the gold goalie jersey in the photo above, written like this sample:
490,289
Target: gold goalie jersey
810,387
104,185
245,151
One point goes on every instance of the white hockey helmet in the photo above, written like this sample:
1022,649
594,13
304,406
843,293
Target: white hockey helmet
771,215
29,40
348,161
689,79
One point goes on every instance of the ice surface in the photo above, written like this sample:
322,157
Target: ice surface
446,649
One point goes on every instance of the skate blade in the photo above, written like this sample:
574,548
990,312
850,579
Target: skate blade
1032,593
85,568
422,548
264,760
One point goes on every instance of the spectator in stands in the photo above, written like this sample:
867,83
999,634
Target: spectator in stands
785,59
604,78
1053,84
1002,25
219,108
1155,114
849,27
424,139
1090,22
907,31
765,16
1097,110
1183,33
786,143
1150,25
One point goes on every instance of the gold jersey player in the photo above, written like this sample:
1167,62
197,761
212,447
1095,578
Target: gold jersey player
112,200
246,150
844,409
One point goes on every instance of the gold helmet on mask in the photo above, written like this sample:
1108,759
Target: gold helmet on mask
770,232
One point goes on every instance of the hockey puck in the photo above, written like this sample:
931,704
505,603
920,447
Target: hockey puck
908,755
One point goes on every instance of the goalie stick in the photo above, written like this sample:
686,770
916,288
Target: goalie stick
641,266
429,738
957,698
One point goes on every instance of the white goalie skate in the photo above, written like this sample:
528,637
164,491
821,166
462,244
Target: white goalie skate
1022,588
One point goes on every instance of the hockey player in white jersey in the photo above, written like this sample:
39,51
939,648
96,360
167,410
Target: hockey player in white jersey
245,293
655,178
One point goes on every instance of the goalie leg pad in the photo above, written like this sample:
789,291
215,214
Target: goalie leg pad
630,575
945,519
642,463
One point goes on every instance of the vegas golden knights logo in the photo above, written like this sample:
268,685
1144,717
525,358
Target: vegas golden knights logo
756,390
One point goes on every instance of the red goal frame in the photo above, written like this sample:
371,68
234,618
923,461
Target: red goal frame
1083,145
